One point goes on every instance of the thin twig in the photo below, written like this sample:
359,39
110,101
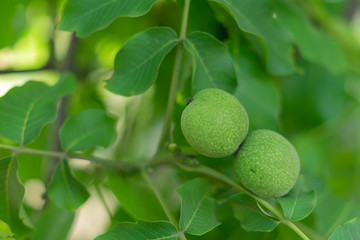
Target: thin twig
67,66
64,155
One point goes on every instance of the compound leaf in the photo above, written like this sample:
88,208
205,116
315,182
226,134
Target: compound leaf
137,63
197,208
89,128
87,16
27,109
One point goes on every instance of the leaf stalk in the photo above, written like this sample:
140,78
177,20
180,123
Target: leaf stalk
166,130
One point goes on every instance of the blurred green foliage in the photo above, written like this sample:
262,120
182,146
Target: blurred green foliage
297,70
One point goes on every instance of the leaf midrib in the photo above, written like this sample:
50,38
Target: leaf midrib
26,119
158,238
194,214
295,203
81,137
148,59
166,237
202,63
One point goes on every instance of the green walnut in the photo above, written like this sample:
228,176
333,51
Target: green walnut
267,164
214,123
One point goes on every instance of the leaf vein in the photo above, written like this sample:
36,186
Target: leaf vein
194,214
203,63
27,116
81,137
148,59
94,10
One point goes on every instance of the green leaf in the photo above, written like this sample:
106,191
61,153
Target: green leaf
131,193
28,163
350,230
314,97
11,193
255,90
251,218
313,44
137,63
332,210
5,231
212,63
54,223
87,16
141,231
299,202
263,111
27,109
256,17
65,190
89,128
197,208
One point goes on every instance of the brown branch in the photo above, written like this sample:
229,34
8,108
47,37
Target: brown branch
68,63
67,66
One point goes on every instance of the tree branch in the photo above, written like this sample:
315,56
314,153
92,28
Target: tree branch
63,155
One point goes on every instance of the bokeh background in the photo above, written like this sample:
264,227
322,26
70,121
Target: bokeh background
316,107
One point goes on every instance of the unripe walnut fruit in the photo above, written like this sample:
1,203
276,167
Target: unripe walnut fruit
267,164
214,123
